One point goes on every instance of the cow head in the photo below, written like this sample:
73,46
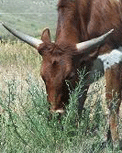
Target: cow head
57,67
60,63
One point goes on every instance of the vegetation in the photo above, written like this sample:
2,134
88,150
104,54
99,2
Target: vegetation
29,16
25,124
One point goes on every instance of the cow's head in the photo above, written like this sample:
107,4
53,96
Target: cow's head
60,63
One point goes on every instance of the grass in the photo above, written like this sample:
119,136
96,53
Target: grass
27,128
25,125
19,55
28,16
24,116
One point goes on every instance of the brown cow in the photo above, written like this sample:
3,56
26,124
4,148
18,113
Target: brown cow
79,21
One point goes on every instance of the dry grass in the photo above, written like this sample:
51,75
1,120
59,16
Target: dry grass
18,61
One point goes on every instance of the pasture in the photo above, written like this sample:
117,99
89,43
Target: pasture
31,16
25,124
24,115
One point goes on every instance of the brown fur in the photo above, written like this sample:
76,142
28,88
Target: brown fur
80,20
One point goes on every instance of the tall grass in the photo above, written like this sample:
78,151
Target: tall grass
27,128
25,124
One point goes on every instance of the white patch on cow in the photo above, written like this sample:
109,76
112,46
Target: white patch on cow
112,58
105,61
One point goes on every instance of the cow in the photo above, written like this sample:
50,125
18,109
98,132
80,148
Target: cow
81,35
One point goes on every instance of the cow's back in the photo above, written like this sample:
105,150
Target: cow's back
98,17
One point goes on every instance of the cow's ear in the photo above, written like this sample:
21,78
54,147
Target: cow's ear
46,35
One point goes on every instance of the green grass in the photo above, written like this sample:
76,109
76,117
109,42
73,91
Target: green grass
28,16
27,128
25,124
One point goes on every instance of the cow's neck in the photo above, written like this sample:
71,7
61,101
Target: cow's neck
67,36
67,28
71,29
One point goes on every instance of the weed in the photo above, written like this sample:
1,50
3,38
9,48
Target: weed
29,130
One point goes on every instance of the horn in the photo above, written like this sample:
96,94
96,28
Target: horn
87,46
26,38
